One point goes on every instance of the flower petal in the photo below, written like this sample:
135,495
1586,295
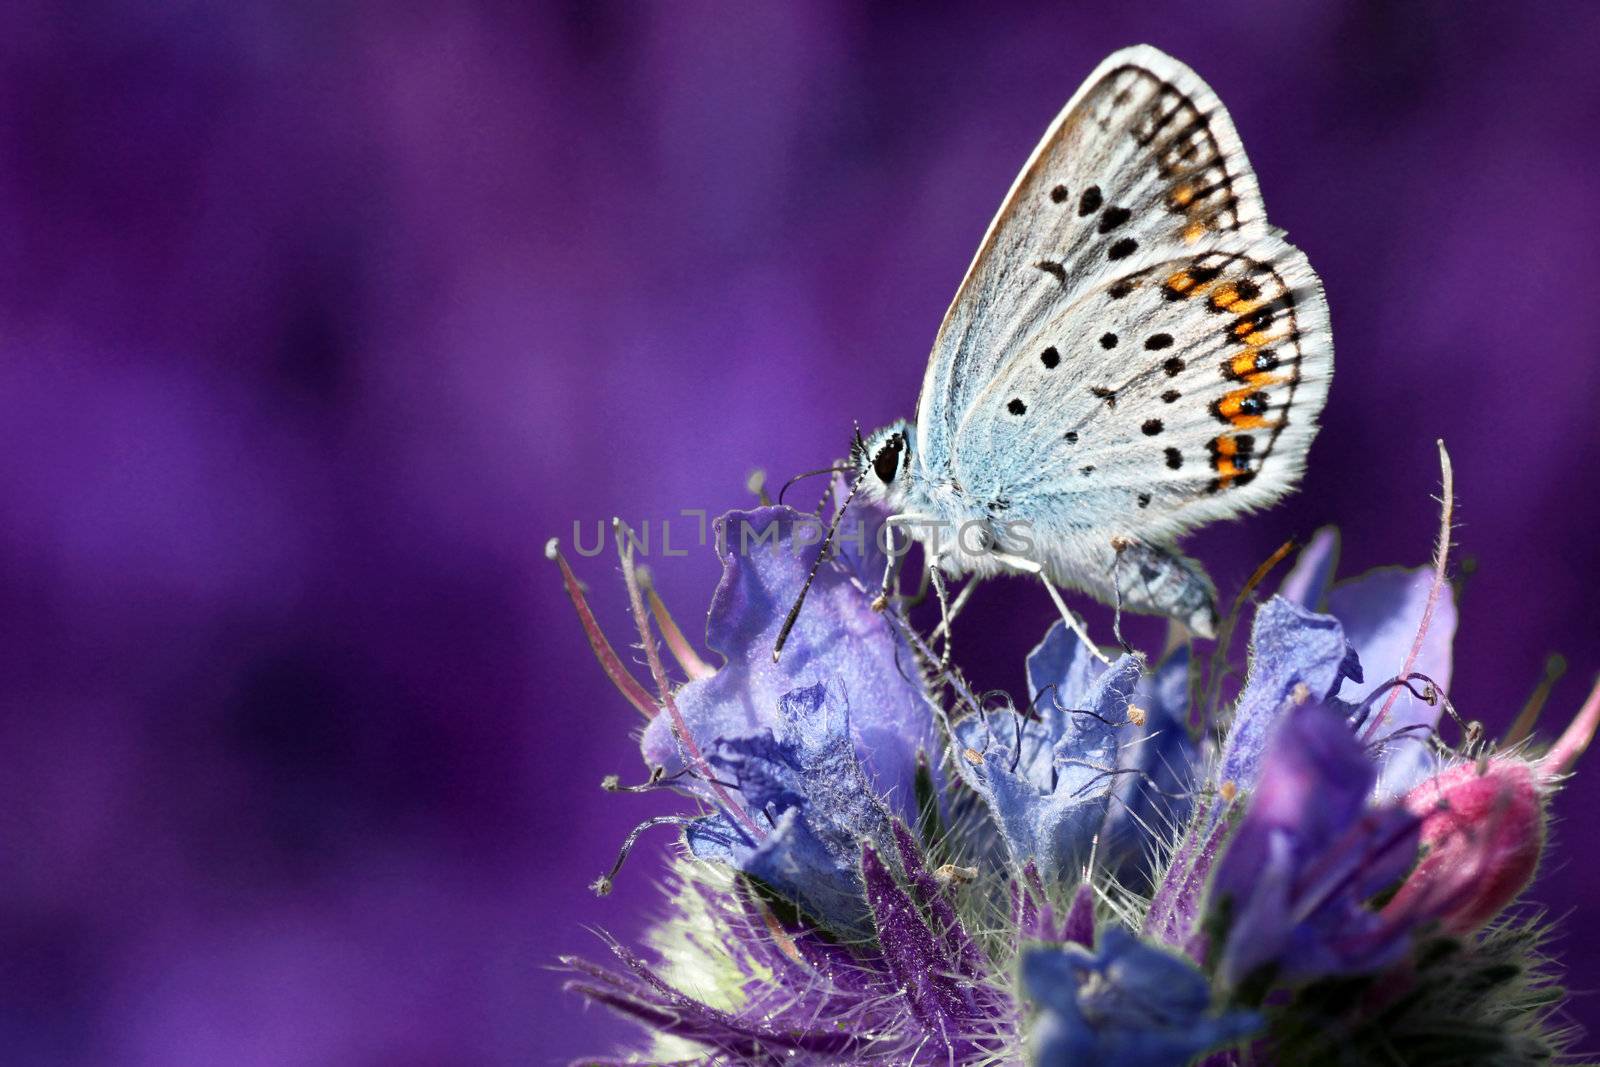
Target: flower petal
838,640
1290,647
1127,1003
1308,583
808,784
1047,782
1295,878
1380,612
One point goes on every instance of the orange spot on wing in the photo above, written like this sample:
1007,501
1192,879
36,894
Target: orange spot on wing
1231,405
1228,298
1186,285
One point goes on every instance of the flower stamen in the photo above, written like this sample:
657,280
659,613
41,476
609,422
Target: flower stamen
601,886
610,662
686,743
693,666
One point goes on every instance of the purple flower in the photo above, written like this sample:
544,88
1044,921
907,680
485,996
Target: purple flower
1125,1003
1295,655
1047,781
1104,751
1382,612
919,993
818,932
806,786
838,641
1295,879
1157,766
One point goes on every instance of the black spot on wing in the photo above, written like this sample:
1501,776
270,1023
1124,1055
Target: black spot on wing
1113,217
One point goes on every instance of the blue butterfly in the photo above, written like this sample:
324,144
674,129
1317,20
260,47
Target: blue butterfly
1134,352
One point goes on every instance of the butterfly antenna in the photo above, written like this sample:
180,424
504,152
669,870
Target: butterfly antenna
811,474
822,554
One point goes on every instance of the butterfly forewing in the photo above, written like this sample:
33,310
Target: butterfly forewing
1144,156
1133,352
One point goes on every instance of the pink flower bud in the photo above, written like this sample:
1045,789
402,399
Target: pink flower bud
1483,830
1482,833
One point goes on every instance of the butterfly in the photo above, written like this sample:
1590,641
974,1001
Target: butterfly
1134,352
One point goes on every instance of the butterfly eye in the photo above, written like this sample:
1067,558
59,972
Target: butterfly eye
887,462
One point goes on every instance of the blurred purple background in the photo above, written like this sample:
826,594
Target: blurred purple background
317,323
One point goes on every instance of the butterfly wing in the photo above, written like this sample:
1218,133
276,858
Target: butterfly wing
1143,156
1134,352
1182,391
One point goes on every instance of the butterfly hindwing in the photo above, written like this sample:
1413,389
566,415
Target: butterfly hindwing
1183,391
1143,157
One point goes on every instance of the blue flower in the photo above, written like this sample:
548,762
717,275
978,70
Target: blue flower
1047,781
837,641
1381,613
1125,1003
814,766
1296,876
1157,765
805,785
1295,655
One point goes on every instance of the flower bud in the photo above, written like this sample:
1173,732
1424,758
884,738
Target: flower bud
1482,833
1483,830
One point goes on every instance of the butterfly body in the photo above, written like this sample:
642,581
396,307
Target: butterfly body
1133,353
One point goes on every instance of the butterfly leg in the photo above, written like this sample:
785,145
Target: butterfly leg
896,556
955,606
936,576
891,570
1074,624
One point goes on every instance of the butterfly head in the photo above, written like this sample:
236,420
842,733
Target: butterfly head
882,462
